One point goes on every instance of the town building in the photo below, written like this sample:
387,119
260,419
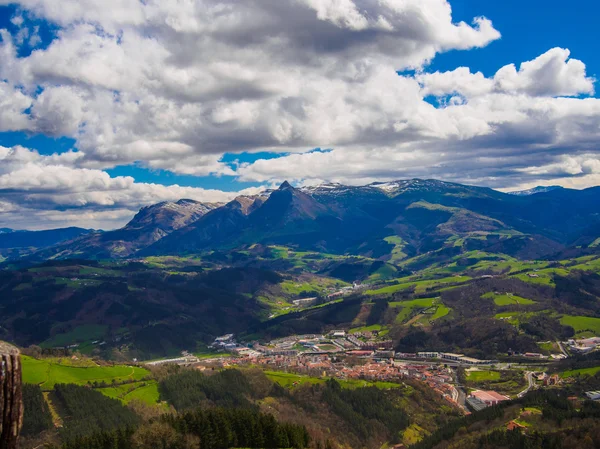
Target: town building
489,398
593,395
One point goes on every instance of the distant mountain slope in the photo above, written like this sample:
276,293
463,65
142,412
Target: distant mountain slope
535,190
38,239
150,225
17,243
216,228
392,220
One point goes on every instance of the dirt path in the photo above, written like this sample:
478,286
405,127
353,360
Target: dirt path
56,419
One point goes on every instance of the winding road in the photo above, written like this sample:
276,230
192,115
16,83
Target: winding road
530,384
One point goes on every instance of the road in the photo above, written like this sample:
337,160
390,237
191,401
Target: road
462,398
561,348
530,384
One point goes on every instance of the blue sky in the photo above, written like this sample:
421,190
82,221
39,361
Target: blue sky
528,28
238,126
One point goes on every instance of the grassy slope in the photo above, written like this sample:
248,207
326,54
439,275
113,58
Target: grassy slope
508,300
482,376
420,286
582,323
581,372
79,334
47,373
290,380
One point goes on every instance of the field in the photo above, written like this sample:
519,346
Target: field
582,324
482,376
397,253
408,308
505,382
508,299
80,334
420,286
374,327
581,372
543,277
515,318
316,285
290,380
144,391
48,373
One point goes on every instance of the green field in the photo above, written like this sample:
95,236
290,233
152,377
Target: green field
290,380
543,277
582,324
80,334
482,376
420,286
441,312
374,327
515,318
47,373
581,372
144,391
397,253
407,309
315,285
508,299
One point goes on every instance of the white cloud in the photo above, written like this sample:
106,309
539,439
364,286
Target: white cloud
13,104
34,185
173,85
215,76
552,74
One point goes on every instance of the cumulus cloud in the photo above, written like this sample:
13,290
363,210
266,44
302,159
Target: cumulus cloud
175,85
552,74
33,185
215,76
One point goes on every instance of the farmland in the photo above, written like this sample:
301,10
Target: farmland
508,299
47,373
78,335
420,286
143,391
289,380
581,372
582,324
408,309
482,376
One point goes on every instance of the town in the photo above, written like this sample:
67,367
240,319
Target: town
367,356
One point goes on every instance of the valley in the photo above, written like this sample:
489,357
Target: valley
426,295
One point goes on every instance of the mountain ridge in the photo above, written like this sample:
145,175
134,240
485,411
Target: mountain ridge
424,215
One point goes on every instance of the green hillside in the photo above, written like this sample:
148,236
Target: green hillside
46,373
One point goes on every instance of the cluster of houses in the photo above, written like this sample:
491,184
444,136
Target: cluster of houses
355,287
460,359
584,346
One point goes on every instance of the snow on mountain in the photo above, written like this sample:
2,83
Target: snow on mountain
535,190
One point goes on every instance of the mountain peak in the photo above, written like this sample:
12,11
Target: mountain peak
285,186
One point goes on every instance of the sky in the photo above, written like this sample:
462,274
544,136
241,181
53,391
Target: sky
107,106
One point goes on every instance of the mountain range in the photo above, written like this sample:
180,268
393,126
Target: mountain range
380,220
14,244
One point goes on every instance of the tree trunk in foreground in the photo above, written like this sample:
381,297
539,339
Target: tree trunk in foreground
11,399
